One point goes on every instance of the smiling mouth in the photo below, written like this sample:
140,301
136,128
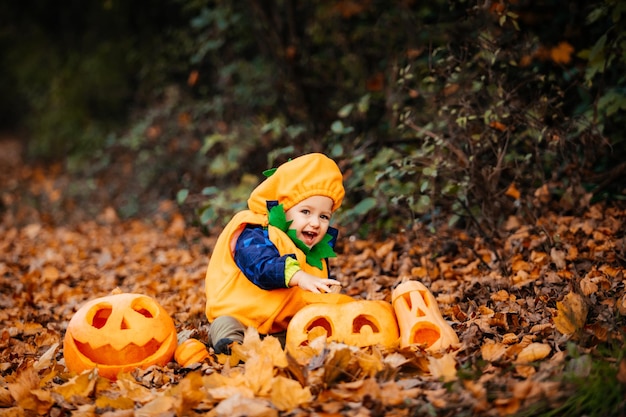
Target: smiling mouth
309,237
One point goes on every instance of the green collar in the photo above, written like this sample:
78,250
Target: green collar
314,256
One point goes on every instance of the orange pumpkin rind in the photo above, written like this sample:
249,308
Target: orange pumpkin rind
118,333
190,351
358,323
419,319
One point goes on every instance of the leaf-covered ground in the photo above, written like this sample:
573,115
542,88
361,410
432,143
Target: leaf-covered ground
535,312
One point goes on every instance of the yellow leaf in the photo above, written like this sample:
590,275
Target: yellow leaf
259,373
119,403
81,385
370,364
288,394
443,368
571,314
131,389
160,406
271,348
533,352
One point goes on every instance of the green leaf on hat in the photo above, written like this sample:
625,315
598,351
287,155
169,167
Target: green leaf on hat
269,172
277,218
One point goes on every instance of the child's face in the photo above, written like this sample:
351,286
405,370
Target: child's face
311,219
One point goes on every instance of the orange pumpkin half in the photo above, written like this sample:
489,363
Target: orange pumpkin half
118,333
357,323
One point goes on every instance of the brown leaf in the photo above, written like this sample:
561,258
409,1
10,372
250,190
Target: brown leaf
336,366
587,286
533,352
492,351
571,314
26,393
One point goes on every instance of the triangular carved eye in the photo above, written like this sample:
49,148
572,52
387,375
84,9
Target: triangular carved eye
144,312
364,320
408,298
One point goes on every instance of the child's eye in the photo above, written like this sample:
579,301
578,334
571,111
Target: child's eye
305,211
325,217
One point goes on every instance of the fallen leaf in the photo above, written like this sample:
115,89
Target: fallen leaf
587,286
492,351
512,191
81,385
259,373
159,406
571,314
443,368
46,360
533,352
26,393
288,394
242,406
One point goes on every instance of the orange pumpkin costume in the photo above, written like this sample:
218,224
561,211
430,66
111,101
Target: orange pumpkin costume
229,292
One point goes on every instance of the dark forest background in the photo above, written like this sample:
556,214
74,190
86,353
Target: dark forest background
439,112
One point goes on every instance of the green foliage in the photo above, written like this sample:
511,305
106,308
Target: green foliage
217,205
436,118
75,70
595,388
434,109
485,109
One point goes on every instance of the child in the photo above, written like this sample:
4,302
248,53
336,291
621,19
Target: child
272,259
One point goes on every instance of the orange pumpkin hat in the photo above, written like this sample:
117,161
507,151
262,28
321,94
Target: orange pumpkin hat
297,180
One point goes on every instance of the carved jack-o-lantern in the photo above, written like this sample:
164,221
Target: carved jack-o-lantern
419,318
119,333
357,323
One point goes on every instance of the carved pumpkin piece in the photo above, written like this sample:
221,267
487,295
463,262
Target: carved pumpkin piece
124,321
358,323
119,332
419,318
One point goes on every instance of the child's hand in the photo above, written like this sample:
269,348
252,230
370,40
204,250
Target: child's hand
312,283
